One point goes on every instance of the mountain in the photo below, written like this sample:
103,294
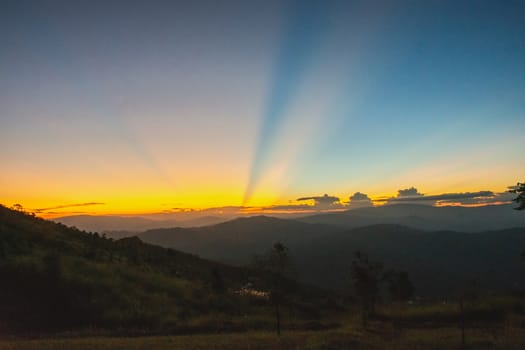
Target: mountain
125,226
238,240
57,278
103,223
439,262
425,217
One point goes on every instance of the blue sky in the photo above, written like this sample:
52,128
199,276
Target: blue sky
208,103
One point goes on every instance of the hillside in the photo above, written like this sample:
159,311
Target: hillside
59,278
439,262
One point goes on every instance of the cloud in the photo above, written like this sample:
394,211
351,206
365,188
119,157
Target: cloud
408,195
442,197
359,200
408,192
45,210
486,198
411,195
323,202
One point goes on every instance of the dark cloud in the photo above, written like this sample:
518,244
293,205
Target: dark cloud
486,198
443,197
359,200
320,199
411,195
323,202
45,210
408,195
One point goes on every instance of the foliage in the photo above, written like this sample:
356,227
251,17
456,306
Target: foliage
519,189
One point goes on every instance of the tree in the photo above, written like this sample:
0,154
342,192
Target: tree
18,207
519,189
276,263
400,287
366,276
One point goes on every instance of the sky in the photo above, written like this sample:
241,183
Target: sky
155,106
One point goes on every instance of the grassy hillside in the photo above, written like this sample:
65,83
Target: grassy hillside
58,278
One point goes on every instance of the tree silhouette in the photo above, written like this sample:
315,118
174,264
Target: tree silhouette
366,276
276,263
18,207
400,287
520,199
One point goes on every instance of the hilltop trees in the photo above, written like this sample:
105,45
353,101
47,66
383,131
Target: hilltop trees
520,199
367,278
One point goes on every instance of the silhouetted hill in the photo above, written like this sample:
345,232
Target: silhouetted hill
438,262
59,278
238,240
425,217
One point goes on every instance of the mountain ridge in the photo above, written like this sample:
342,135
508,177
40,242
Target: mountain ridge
322,253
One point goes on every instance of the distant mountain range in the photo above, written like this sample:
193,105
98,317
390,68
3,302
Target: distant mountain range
440,262
128,225
442,248
425,217
239,240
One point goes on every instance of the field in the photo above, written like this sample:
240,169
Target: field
382,336
508,333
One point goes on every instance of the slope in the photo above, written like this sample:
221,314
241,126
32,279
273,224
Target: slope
59,278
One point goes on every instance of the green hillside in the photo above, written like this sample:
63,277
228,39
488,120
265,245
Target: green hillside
59,278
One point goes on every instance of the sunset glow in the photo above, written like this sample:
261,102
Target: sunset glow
150,109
